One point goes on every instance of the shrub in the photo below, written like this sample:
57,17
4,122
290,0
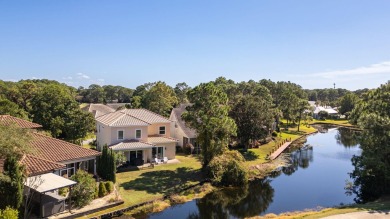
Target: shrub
274,134
96,191
9,213
102,190
109,186
84,191
228,170
188,148
179,149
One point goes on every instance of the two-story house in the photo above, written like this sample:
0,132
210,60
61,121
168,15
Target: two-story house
141,134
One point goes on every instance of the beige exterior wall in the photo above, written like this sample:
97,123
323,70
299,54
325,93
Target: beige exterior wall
109,135
128,133
169,149
154,129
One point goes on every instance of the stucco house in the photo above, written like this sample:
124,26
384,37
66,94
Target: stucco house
141,134
49,165
182,133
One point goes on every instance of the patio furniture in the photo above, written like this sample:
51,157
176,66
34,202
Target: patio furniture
157,160
165,160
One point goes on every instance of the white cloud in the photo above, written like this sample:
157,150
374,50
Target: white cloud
67,78
379,68
101,79
34,78
83,76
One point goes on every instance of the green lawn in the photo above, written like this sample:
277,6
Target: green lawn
341,122
382,204
140,186
148,184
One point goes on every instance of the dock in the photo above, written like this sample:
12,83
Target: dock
280,149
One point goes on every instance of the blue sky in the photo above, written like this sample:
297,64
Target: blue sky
128,43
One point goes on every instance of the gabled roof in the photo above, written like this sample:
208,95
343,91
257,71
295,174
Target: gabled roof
36,165
98,109
177,112
146,115
9,120
56,150
120,119
131,117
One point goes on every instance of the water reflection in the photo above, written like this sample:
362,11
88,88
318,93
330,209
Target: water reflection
238,203
348,137
306,183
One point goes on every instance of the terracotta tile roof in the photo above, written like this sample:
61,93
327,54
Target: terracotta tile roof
146,115
178,112
8,120
36,165
120,119
98,109
160,139
131,144
57,150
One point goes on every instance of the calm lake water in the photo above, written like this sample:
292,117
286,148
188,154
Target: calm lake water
316,178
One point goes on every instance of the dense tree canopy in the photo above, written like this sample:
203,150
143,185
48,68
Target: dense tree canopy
160,99
253,115
55,108
372,167
208,115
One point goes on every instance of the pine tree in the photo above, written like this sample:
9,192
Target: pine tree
11,184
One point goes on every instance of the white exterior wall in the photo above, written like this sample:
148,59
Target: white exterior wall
103,135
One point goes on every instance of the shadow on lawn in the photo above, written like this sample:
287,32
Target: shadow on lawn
249,155
163,181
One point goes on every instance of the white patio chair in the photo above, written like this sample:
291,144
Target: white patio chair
165,159
157,160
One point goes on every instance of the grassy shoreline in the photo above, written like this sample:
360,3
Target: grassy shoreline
379,205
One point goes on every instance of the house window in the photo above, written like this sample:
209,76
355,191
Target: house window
138,133
120,135
162,130
69,171
158,152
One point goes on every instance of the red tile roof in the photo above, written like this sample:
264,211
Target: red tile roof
57,150
36,165
8,120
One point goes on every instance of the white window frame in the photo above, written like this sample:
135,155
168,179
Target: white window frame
159,130
123,134
136,133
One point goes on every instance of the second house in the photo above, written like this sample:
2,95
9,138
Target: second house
142,135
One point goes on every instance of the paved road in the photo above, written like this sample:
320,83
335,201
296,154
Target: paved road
362,215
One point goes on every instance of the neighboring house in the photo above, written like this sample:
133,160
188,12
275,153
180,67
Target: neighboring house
49,164
98,109
141,134
183,133
331,112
